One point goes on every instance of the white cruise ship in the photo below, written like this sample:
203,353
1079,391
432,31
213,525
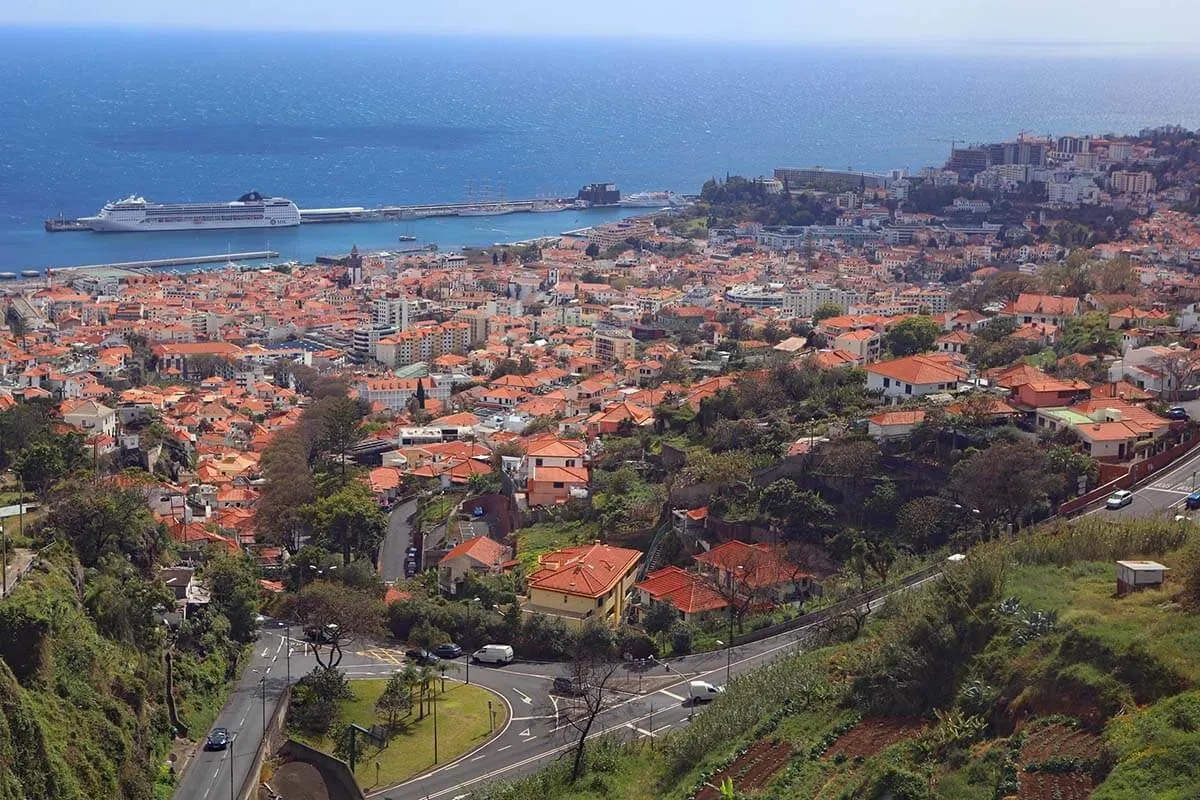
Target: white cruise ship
251,210
650,200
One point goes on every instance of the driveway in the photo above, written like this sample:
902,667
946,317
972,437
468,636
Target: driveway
397,540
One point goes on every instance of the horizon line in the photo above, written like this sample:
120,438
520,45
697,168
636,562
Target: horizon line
1045,46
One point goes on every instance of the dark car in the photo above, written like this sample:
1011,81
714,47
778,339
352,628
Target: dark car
420,655
1177,413
1192,501
217,740
410,568
571,687
447,650
410,551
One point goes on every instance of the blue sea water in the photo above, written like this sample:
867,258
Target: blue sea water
349,119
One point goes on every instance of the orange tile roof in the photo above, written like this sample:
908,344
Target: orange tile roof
687,591
585,571
919,370
481,549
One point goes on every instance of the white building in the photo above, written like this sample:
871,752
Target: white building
805,302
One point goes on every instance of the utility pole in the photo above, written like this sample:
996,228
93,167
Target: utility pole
232,791
435,752
4,560
263,683
287,646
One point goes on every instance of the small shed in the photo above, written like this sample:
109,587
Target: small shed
1133,576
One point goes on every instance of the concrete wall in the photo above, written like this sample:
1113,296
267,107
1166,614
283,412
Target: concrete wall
274,738
339,781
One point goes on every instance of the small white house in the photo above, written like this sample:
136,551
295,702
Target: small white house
1133,576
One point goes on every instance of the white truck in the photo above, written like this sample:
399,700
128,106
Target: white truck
703,691
494,654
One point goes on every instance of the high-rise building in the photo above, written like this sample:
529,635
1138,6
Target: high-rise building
967,161
1132,182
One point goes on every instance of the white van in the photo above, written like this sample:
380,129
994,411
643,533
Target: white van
703,691
494,654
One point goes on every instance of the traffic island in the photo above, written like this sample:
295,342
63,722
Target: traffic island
384,756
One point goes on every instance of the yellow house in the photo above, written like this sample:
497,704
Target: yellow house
581,583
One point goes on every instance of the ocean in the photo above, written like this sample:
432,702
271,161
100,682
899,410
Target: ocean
349,119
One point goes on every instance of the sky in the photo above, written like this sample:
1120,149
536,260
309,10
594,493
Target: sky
1093,23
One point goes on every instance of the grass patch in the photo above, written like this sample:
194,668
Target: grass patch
1085,595
436,511
463,725
546,537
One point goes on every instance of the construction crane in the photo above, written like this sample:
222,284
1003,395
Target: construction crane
951,142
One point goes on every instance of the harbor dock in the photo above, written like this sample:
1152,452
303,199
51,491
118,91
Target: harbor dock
317,216
181,261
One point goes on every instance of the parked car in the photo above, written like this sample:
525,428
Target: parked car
703,691
1119,499
447,650
410,568
1192,501
218,739
410,552
1177,413
571,687
420,655
494,654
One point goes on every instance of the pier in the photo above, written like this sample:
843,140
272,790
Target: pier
181,261
316,216
396,213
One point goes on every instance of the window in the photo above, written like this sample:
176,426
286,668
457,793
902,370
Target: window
570,462
599,602
537,462
558,484
564,598
908,388
887,382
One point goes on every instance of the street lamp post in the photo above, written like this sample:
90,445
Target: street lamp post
262,684
435,738
470,605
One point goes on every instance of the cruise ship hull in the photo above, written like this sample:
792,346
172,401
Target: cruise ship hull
145,226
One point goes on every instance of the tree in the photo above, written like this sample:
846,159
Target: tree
659,618
912,335
234,589
591,673
288,487
1006,482
334,615
1071,278
827,310
40,464
339,429
1180,367
1090,335
592,250
395,700
98,519
349,520
315,698
1115,276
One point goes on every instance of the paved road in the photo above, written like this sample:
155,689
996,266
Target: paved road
1161,493
391,552
536,733
207,775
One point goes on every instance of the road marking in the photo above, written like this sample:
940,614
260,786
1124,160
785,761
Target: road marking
502,749
638,730
1169,491
528,700
266,652
476,758
672,695
525,732
524,719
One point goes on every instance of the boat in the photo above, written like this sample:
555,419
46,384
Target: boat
251,210
61,223
407,238
7,276
650,200
30,273
540,207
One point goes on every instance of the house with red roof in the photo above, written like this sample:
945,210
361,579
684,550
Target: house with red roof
894,424
591,581
480,555
908,378
1047,309
757,571
690,593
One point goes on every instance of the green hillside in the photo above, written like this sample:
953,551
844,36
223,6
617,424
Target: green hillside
1020,674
